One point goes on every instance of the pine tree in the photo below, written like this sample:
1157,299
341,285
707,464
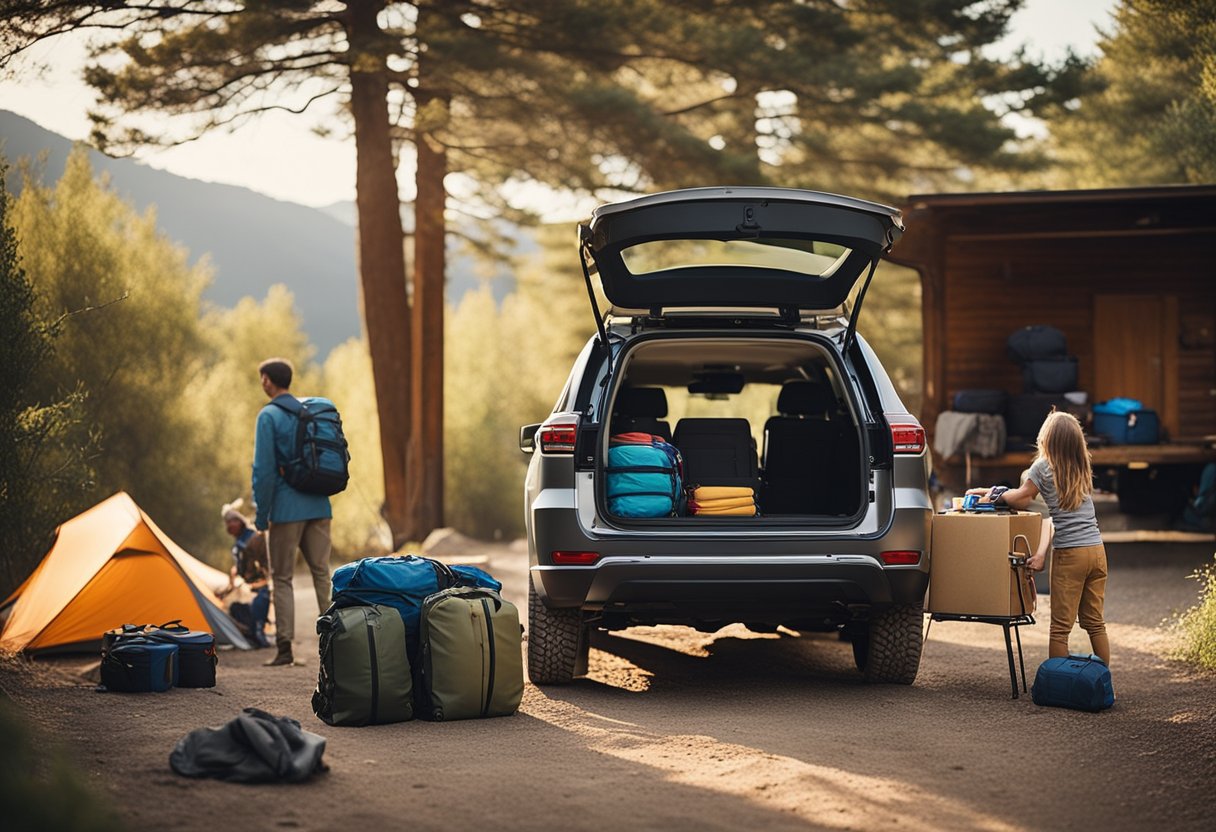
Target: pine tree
1152,117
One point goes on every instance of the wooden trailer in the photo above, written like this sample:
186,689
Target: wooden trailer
1129,276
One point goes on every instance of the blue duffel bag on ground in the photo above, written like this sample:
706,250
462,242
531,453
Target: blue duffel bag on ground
644,476
402,582
1078,682
139,665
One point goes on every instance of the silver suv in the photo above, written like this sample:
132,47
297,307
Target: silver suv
730,321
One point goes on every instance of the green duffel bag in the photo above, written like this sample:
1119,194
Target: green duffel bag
365,672
470,671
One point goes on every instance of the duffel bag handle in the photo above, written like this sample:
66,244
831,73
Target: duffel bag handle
1016,557
445,575
175,624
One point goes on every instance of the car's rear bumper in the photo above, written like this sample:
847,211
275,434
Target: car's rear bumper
734,588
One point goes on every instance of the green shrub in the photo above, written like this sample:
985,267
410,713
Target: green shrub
1197,626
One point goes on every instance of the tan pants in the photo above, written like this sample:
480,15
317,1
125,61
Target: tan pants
283,539
1078,588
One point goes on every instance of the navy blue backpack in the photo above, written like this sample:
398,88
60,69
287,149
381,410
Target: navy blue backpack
644,476
402,582
1075,681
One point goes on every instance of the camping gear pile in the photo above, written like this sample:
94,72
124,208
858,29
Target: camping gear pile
156,657
410,636
645,478
1048,374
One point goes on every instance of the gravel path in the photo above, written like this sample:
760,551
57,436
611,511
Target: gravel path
675,729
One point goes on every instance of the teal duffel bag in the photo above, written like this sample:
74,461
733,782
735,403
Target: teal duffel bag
365,673
470,671
643,476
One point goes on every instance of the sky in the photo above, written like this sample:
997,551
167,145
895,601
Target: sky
279,155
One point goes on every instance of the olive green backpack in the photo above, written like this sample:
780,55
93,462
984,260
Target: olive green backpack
365,673
471,661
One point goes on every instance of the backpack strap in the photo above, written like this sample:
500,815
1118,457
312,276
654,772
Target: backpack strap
298,409
289,403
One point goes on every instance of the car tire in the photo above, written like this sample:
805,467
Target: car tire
557,642
893,645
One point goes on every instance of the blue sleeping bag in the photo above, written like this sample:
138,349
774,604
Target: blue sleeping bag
402,582
643,476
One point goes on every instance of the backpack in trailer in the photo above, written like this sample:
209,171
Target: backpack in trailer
196,658
320,457
1026,412
1050,375
644,477
1033,342
979,401
139,665
402,582
365,677
470,671
1075,681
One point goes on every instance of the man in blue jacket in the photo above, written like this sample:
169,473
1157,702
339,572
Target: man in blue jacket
292,519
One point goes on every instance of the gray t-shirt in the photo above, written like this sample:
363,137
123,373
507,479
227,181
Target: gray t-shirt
1073,528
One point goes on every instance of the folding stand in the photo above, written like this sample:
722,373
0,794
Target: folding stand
1007,623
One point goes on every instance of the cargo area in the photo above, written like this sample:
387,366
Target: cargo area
767,416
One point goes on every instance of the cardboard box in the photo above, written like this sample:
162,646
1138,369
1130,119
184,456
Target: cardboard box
969,572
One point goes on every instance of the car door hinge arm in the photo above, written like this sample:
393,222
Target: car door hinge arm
851,332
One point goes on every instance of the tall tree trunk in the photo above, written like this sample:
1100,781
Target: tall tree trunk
426,452
386,306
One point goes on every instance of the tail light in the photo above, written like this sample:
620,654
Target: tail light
557,435
900,558
575,558
908,439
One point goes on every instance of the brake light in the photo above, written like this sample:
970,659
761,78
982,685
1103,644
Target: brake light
908,439
575,558
557,436
900,558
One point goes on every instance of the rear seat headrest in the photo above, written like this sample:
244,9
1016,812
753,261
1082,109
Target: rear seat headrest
641,401
805,398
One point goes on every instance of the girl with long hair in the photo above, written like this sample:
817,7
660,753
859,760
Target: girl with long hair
1063,474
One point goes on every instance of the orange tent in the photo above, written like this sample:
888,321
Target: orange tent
110,566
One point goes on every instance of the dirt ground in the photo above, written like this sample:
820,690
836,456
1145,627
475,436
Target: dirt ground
680,730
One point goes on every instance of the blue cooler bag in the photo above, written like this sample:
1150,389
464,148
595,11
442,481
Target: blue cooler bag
196,658
139,665
1127,422
1078,682
402,582
643,476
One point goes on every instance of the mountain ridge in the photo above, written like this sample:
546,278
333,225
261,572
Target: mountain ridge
253,241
